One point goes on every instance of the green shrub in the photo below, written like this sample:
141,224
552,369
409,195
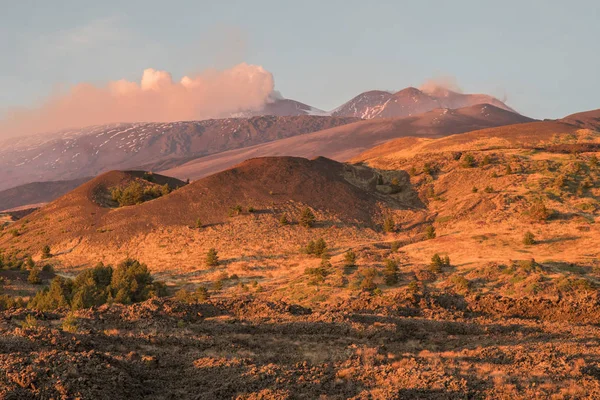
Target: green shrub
538,211
29,322
212,258
199,224
130,282
349,259
368,279
437,263
528,238
467,161
317,248
46,252
34,277
489,189
307,218
430,232
460,282
413,287
283,220
237,210
199,295
389,225
391,272
69,324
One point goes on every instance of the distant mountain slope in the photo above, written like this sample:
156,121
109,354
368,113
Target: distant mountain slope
282,108
344,142
37,192
410,101
84,152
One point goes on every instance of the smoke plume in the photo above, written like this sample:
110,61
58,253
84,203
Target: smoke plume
436,85
211,94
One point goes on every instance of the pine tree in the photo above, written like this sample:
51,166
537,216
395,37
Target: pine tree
46,252
528,238
212,258
283,220
307,219
389,225
436,263
391,272
430,232
349,259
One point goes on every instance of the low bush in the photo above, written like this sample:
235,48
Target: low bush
130,282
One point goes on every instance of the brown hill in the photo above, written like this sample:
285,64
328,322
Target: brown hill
586,119
90,151
345,142
533,134
85,226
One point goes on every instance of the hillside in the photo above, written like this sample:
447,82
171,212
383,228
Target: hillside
344,142
85,226
586,119
86,152
526,135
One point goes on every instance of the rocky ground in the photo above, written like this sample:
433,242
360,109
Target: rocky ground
406,345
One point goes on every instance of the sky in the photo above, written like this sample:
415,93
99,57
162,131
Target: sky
541,56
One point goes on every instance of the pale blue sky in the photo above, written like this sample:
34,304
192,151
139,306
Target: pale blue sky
543,55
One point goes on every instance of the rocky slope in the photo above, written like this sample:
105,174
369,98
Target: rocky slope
87,152
344,142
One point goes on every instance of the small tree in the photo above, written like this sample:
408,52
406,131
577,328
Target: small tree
212,258
389,225
468,161
538,211
283,220
427,169
307,218
508,169
199,223
310,247
46,252
237,210
349,259
320,247
391,272
436,263
446,260
528,239
430,232
34,277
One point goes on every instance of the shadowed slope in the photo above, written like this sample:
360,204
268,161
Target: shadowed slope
342,143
